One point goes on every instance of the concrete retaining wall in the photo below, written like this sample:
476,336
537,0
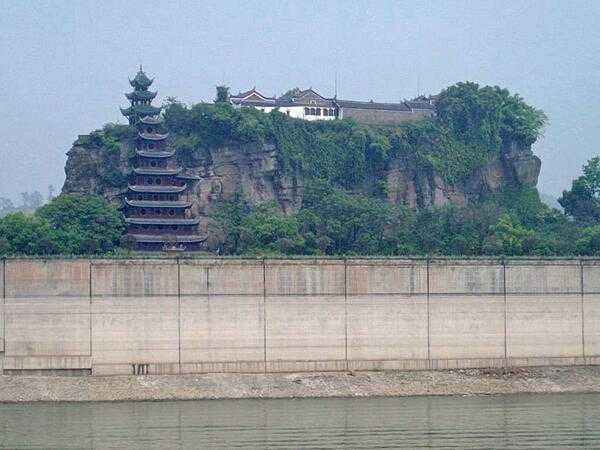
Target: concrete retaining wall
225,315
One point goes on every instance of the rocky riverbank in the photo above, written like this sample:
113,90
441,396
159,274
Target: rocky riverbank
300,385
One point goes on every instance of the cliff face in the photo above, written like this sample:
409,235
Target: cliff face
253,170
514,166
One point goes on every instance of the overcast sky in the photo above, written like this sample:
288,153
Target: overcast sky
64,64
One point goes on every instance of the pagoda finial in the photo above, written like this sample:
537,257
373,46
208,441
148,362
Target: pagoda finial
141,70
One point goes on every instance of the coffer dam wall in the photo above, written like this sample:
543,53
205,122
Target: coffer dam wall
170,316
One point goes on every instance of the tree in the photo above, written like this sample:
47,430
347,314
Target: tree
511,237
27,234
222,94
589,242
582,202
265,231
83,224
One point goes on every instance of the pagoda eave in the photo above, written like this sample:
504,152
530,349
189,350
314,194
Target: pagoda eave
161,239
153,136
154,154
150,221
144,189
149,120
144,171
158,204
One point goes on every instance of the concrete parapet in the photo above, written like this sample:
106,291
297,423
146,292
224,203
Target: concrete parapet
305,278
236,277
46,309
386,277
168,316
123,278
543,277
465,277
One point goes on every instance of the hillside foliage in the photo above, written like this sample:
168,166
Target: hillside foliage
335,159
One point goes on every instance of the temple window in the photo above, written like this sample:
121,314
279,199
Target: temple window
158,181
171,212
153,163
318,111
150,181
140,197
151,145
149,129
307,111
155,197
325,112
143,212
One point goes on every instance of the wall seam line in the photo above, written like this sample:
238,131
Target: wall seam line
264,315
505,312
90,305
428,321
3,310
582,309
178,316
346,312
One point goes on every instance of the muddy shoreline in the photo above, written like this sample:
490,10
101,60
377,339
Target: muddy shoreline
19,388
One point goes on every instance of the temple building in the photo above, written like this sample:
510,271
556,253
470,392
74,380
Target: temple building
156,206
309,105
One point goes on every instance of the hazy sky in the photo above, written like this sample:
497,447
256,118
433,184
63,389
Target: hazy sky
64,64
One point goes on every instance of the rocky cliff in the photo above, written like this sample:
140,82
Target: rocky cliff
254,170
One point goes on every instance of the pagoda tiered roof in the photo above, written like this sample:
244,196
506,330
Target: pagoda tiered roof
156,221
155,153
153,171
153,136
141,110
160,239
151,120
157,189
141,95
141,80
158,204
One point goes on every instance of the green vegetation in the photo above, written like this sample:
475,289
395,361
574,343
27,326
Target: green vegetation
473,124
344,210
68,224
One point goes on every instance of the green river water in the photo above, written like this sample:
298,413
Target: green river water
514,421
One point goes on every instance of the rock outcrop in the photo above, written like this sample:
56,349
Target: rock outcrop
253,170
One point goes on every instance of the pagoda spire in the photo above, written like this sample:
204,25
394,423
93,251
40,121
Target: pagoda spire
140,99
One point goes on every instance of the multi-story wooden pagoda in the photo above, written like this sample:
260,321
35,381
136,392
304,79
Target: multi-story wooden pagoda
156,206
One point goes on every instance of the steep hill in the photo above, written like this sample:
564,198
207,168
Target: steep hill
478,144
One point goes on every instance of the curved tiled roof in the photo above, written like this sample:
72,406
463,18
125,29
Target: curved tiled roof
158,204
141,95
179,239
147,171
153,136
158,189
155,153
141,80
155,221
141,110
149,120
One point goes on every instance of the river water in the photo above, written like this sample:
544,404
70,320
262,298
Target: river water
513,421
